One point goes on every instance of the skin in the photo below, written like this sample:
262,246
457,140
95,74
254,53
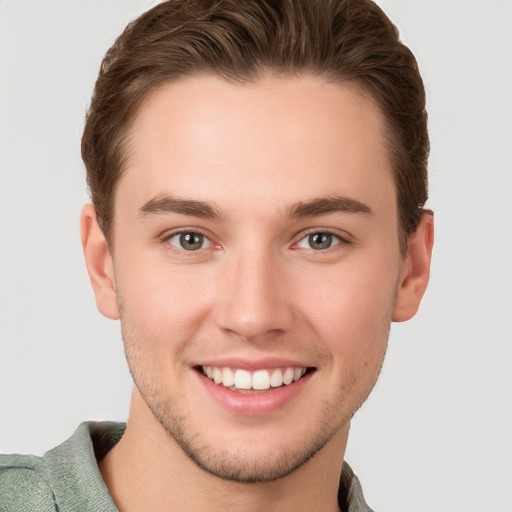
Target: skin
255,290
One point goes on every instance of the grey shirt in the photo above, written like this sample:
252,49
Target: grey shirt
67,478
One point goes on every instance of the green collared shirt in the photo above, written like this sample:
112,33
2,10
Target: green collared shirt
67,478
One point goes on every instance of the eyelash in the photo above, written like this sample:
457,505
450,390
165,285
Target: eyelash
339,241
181,250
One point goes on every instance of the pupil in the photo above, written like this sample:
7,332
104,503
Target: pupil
320,240
191,241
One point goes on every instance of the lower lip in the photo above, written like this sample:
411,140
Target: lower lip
252,404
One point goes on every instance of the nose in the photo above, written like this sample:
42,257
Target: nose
254,296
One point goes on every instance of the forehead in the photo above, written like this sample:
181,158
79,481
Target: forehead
277,141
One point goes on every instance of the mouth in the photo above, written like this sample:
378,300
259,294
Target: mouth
261,380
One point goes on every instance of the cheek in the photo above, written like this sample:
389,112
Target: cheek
162,306
351,310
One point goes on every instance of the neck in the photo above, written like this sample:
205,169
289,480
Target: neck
148,470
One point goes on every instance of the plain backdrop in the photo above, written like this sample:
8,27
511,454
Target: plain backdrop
436,435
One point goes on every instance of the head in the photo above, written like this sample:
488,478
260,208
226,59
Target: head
243,41
258,172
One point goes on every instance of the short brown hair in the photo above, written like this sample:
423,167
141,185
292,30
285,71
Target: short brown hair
341,40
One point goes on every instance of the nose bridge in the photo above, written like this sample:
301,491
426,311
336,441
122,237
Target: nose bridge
253,300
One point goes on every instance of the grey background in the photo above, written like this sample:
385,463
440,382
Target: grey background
436,433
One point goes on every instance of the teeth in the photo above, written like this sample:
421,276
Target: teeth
258,380
276,379
261,380
242,379
299,372
288,376
228,377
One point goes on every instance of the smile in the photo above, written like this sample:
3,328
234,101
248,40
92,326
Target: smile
259,380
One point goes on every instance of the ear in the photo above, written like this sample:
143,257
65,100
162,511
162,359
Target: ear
99,263
416,270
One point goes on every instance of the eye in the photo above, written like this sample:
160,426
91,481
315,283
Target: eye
319,241
189,241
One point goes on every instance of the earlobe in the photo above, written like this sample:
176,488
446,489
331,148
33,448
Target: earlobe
416,270
99,263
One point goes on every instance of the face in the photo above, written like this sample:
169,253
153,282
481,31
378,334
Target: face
256,263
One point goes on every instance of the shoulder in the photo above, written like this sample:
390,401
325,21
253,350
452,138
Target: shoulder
24,485
350,492
66,478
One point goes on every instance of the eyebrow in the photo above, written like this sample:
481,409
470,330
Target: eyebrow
314,208
326,205
169,204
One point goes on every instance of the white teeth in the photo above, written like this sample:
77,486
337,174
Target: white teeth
217,375
242,379
299,372
228,377
288,376
276,379
259,380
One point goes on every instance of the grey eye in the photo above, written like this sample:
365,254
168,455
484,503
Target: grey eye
189,241
319,241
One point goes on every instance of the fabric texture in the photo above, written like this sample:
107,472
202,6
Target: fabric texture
67,478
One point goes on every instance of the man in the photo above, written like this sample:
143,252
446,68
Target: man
258,175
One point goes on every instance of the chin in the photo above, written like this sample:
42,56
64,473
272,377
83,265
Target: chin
248,454
242,463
